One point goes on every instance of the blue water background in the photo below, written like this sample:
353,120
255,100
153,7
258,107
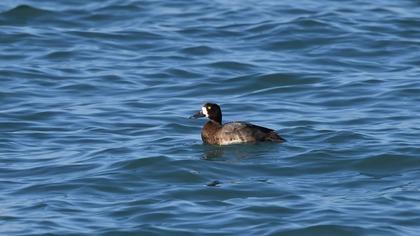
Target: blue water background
95,98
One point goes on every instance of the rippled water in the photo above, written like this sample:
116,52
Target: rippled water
95,96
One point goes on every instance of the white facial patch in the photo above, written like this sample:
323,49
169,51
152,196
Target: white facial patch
204,110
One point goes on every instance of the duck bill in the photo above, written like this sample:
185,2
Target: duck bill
197,115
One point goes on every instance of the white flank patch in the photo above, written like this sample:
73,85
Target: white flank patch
204,110
228,142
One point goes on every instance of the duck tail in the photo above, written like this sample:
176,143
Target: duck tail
274,137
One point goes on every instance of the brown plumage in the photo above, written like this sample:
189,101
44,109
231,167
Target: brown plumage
214,132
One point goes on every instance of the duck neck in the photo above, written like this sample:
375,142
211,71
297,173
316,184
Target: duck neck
216,117
217,121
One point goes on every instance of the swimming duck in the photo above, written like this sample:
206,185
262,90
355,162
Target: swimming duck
214,132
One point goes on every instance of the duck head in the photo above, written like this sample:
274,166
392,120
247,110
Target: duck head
211,111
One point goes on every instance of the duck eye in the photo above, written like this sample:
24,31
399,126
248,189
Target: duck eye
209,108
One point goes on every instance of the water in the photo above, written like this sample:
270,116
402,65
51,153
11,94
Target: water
95,96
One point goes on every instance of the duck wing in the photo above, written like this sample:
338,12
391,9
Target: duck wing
247,132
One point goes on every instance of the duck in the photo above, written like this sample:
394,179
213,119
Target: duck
216,133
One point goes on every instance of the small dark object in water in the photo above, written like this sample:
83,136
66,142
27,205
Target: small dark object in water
214,183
